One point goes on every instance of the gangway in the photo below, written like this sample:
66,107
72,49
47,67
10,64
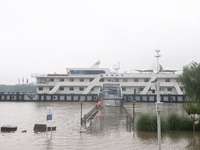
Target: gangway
111,93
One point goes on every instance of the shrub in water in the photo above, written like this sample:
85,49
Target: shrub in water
163,124
173,122
148,122
186,124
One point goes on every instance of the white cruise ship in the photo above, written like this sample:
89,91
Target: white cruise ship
89,80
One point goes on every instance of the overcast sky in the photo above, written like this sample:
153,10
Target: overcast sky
46,36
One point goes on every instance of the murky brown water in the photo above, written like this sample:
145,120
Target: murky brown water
109,130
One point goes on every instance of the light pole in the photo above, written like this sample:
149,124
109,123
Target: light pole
159,105
133,102
81,102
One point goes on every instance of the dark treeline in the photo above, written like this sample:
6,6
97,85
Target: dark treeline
23,88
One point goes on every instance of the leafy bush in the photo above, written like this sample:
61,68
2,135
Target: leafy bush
192,107
173,122
148,122
163,124
186,124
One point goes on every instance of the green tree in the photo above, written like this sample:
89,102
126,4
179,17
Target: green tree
190,79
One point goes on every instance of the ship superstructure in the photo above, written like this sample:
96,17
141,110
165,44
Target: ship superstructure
89,80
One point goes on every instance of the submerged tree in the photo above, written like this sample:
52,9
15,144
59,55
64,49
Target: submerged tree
190,79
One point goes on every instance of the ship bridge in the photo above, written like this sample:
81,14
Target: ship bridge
111,94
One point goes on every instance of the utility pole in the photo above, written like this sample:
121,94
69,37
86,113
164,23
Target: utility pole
81,102
159,105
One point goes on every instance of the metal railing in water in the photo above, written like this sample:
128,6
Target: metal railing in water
87,119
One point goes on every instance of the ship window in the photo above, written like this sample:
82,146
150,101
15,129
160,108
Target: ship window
135,79
92,89
146,80
134,91
51,79
71,89
61,79
169,89
123,89
167,80
117,80
81,80
124,80
41,80
101,80
40,88
61,88
141,89
91,79
87,71
50,88
71,80
81,89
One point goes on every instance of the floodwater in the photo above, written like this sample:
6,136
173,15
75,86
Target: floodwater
109,130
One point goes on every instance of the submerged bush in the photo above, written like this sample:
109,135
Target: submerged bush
186,123
173,122
148,122
163,124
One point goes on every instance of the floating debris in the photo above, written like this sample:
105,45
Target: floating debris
8,128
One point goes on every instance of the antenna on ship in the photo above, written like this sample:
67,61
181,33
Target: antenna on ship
157,56
117,67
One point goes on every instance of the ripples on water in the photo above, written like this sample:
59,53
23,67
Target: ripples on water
109,130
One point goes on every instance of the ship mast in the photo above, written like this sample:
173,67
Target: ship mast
157,56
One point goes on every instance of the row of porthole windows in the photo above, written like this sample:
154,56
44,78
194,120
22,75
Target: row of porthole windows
82,89
101,80
161,89
45,80
117,80
71,79
153,98
62,88
69,98
126,80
